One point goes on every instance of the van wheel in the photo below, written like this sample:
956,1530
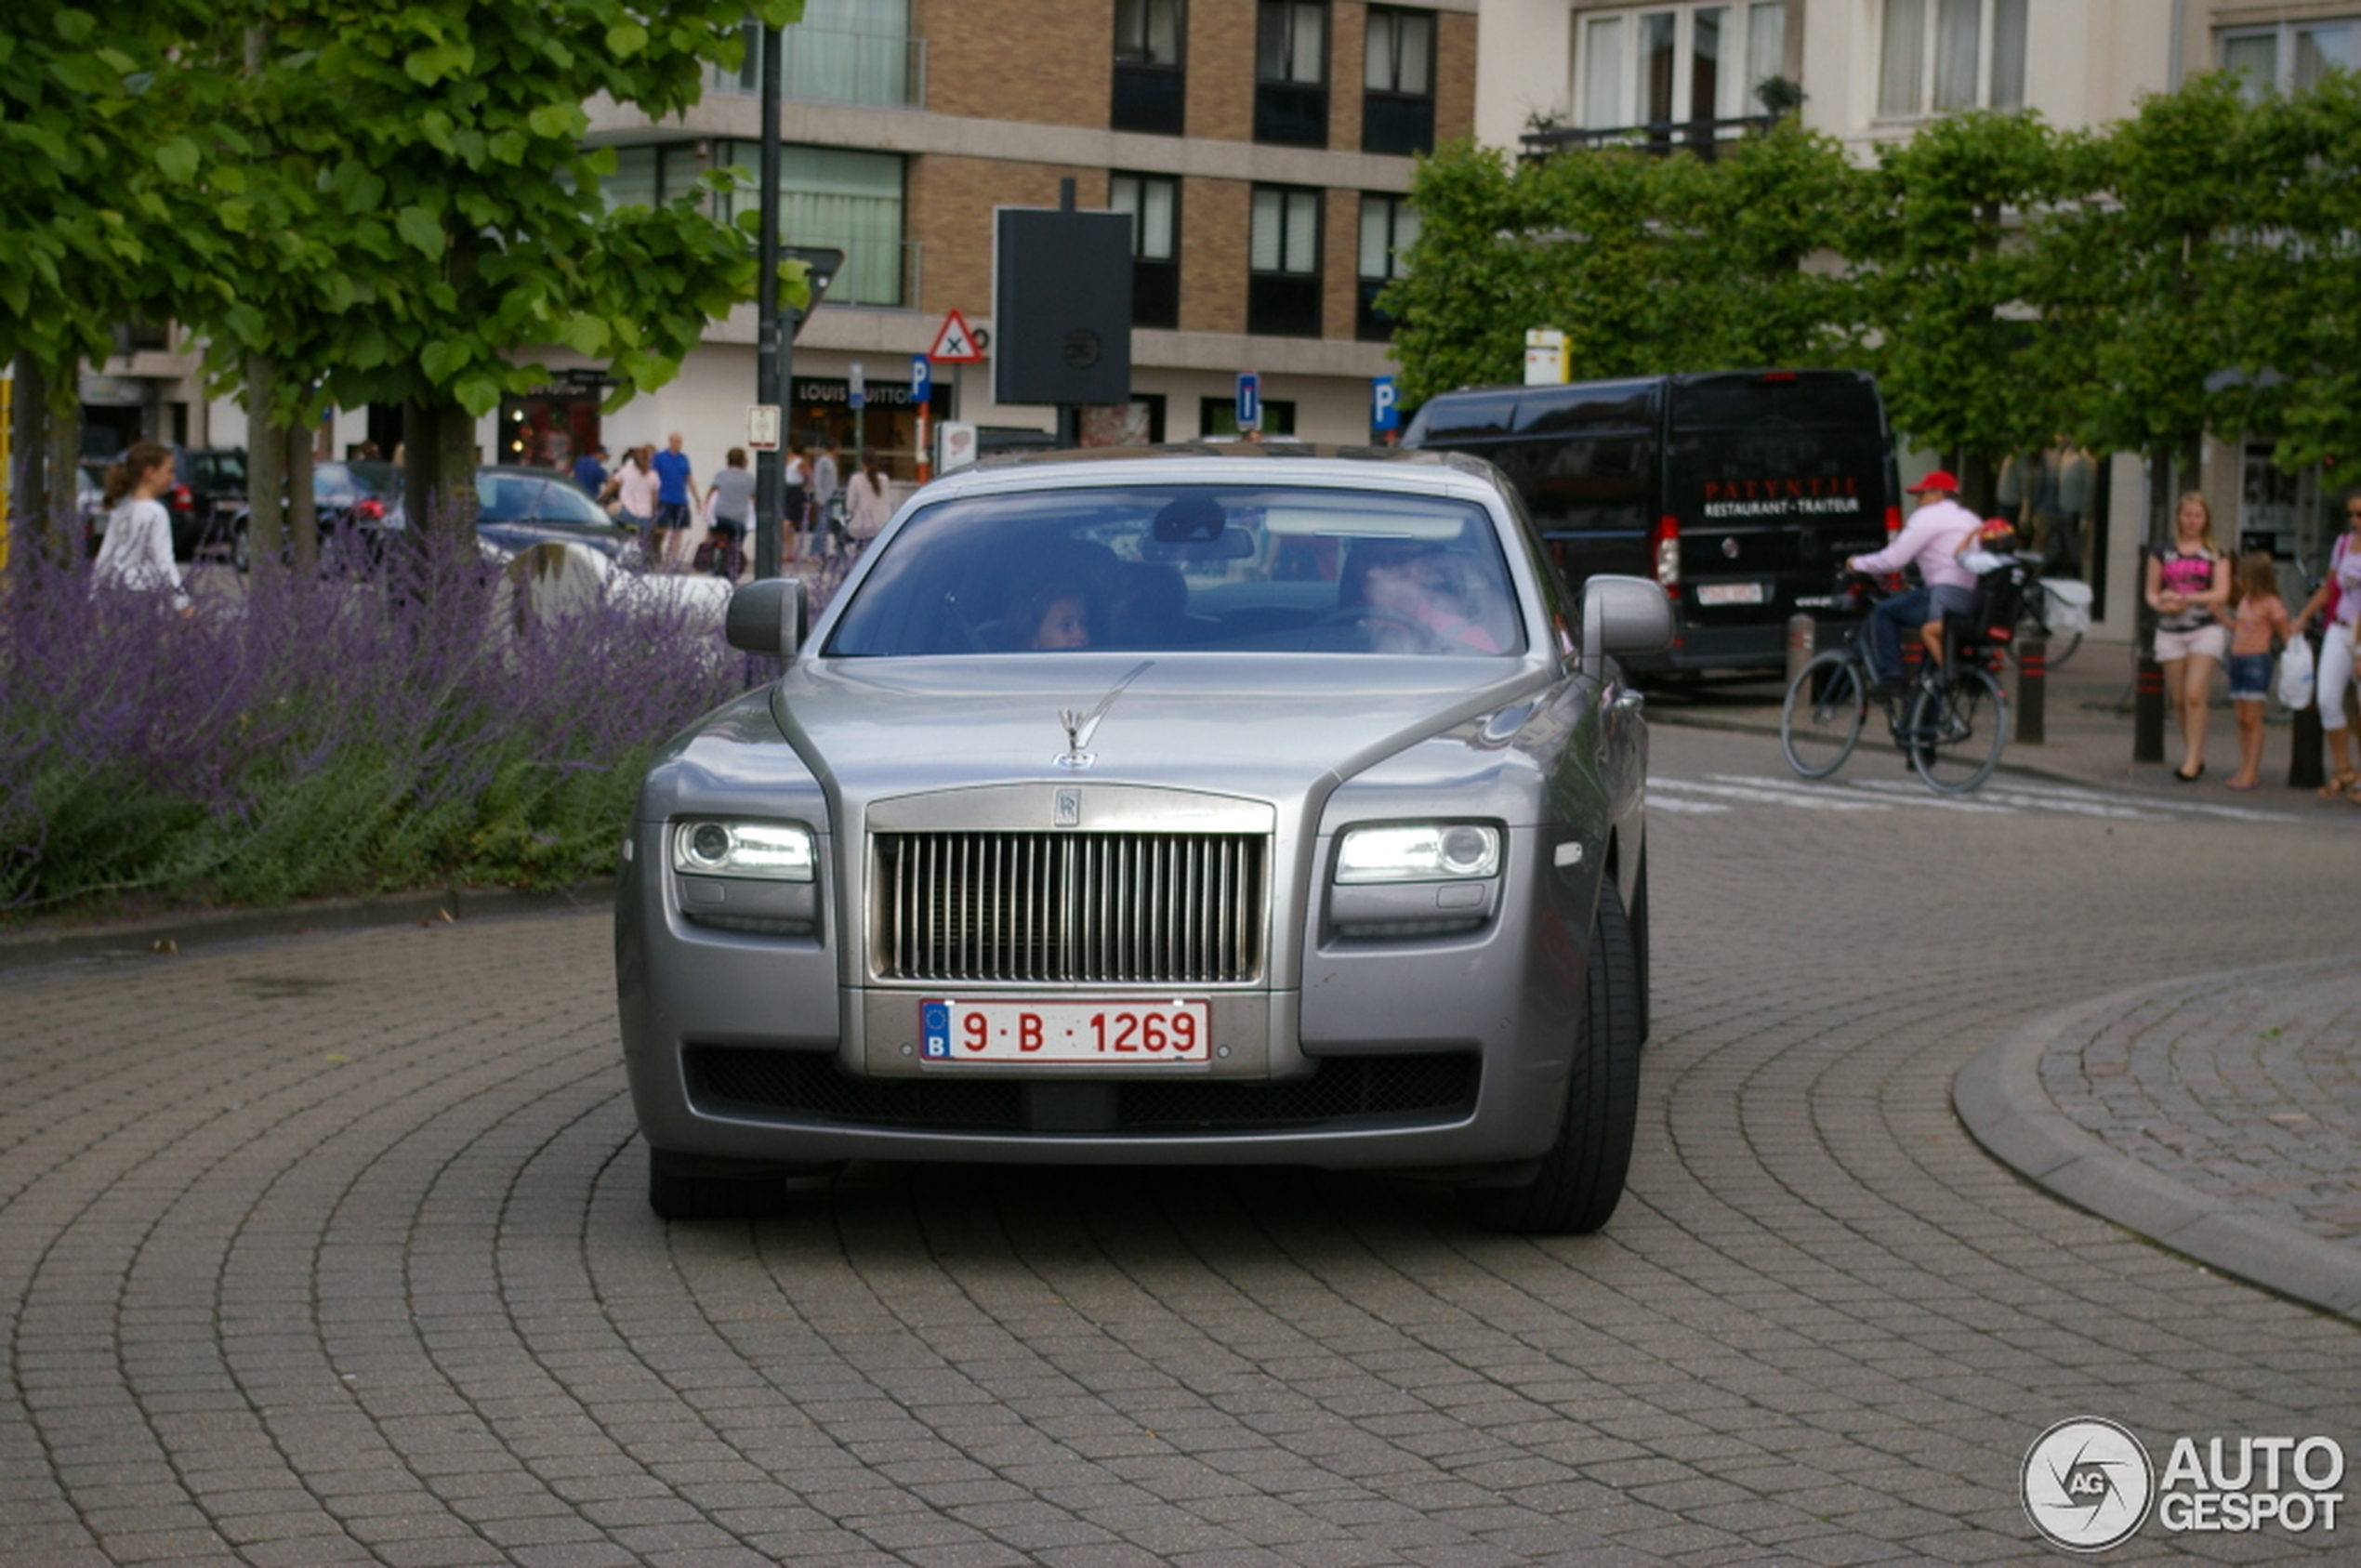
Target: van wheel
241,552
684,1187
1582,1174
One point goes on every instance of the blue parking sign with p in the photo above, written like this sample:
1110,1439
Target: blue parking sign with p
921,380
1385,405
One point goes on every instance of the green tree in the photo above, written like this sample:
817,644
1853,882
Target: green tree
1648,263
100,142
1953,286
427,218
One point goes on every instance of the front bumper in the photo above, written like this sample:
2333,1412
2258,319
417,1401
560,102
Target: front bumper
1444,1052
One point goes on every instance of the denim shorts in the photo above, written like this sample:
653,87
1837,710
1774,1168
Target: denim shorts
2249,676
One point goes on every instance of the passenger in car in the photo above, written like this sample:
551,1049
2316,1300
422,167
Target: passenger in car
1056,616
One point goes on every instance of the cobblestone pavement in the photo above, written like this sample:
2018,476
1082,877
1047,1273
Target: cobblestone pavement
2246,1087
336,1249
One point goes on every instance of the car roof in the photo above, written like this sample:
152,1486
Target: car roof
1228,463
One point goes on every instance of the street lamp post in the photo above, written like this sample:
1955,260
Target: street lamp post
774,349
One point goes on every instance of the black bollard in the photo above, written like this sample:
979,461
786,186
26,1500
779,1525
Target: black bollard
2032,680
2147,712
2307,768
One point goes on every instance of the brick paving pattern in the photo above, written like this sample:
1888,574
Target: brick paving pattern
2248,1089
336,1250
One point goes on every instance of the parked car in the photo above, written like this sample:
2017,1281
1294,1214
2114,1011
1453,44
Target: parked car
351,500
1197,807
1739,493
518,506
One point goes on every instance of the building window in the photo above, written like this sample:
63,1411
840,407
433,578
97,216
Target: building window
650,175
1153,202
1291,73
837,198
1936,56
1389,227
1397,80
1282,260
2290,56
1151,84
1666,65
843,51
1218,417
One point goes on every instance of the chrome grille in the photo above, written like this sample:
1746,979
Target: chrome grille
1069,907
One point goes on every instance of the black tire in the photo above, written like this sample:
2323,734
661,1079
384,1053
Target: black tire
240,551
1957,730
1820,720
1644,976
1582,1174
681,1187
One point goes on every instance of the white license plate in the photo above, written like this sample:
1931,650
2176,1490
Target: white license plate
1729,593
1128,1033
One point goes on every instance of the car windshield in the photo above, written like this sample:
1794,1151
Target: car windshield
1219,568
519,498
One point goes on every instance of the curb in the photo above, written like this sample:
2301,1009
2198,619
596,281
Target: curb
1999,1097
32,949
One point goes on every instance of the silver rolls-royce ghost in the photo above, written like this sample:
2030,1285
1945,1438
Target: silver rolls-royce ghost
1244,805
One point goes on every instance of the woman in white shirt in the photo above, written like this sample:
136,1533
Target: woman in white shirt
865,505
137,551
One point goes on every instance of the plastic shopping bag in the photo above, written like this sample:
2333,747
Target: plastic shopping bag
2296,675
2066,605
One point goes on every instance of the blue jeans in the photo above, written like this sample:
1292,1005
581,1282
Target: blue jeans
1886,622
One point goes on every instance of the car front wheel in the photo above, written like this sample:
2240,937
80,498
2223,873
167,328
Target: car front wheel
1581,1176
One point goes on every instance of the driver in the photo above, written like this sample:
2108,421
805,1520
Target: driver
1417,597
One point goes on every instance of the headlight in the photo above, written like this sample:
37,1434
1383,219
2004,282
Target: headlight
770,850
1421,852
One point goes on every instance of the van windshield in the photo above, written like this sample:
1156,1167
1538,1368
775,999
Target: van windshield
1218,568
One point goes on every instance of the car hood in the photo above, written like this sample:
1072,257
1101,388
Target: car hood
1224,723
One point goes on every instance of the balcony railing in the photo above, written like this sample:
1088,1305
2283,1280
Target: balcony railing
835,65
1702,137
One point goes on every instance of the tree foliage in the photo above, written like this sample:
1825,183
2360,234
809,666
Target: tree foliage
2196,267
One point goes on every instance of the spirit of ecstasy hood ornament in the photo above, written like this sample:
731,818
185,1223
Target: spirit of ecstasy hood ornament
1080,726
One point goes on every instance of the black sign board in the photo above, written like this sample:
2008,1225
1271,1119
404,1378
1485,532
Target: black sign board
1061,307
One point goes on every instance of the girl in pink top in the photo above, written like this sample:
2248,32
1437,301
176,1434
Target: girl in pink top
2257,614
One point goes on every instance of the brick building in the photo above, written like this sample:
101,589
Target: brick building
1263,146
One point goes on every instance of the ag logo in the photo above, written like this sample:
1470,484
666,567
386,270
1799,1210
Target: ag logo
2087,1484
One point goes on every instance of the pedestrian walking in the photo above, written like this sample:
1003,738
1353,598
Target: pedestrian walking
866,507
730,500
828,483
2257,614
675,501
794,497
2188,583
136,554
2338,600
633,490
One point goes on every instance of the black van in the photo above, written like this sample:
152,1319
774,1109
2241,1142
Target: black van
1740,491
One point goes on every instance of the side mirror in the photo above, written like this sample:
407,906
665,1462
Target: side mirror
766,616
1622,615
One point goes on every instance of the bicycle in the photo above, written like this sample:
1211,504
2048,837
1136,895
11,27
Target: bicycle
1951,723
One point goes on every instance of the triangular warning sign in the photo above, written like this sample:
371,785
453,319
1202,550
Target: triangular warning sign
954,344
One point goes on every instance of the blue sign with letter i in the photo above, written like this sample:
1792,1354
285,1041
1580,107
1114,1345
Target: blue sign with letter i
1250,401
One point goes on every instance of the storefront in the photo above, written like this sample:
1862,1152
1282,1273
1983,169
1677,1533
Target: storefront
550,428
886,424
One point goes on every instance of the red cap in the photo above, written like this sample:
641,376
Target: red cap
1939,480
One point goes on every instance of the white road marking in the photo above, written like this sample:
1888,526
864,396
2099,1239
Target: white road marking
1675,804
1995,799
1890,792
1788,795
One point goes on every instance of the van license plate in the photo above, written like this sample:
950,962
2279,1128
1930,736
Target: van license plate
1729,593
1113,1034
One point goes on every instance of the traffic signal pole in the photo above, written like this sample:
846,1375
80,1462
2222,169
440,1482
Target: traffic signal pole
773,348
